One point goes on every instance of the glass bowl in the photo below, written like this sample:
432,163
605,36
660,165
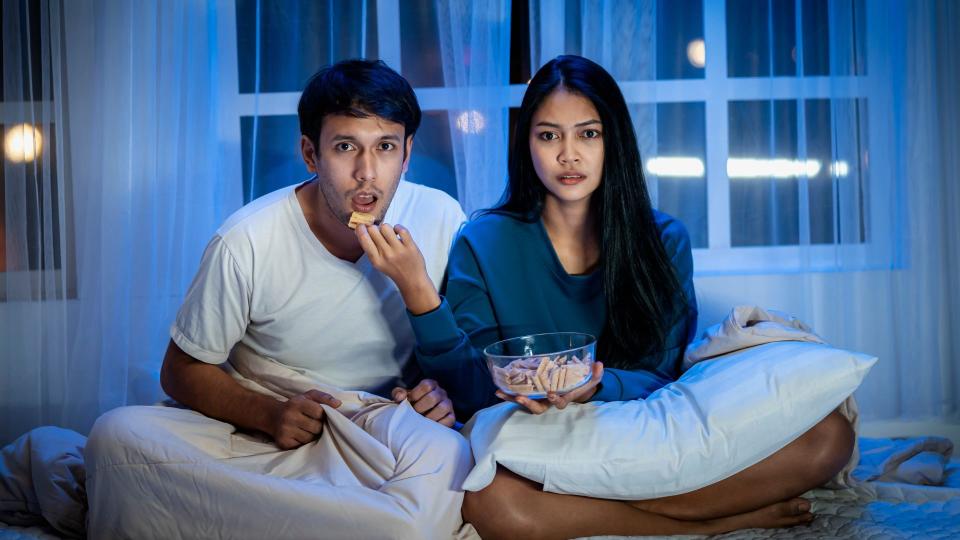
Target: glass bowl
533,365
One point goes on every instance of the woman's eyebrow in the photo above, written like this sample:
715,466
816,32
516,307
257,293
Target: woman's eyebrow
558,126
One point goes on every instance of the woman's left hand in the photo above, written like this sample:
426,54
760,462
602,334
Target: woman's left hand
580,395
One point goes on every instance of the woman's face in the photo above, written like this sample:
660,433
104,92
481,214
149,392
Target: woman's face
566,144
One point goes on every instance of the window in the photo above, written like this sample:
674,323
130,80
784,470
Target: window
753,116
35,254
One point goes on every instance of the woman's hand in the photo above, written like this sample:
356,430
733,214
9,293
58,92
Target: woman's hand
580,395
393,252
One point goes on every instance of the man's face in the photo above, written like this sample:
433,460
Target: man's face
358,162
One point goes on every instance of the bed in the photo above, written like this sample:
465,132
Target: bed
874,509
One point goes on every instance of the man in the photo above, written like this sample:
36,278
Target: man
285,312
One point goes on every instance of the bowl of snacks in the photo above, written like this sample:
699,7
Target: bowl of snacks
533,365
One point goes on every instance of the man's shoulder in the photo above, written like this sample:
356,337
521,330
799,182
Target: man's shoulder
425,201
257,214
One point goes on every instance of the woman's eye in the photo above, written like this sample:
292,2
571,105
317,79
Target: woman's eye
591,134
548,136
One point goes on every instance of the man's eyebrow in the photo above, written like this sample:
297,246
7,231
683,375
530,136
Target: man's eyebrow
350,138
579,124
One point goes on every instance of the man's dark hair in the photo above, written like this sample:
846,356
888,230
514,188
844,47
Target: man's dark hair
358,88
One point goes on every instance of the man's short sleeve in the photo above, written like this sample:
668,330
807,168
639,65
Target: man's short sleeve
216,311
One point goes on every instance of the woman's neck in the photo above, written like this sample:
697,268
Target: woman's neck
573,233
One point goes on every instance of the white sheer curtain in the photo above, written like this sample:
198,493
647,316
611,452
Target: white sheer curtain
865,251
104,230
475,48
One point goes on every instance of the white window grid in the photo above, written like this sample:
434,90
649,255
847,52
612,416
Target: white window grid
715,90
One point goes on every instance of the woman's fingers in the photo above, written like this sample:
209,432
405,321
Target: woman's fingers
532,405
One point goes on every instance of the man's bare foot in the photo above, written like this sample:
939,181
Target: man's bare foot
782,514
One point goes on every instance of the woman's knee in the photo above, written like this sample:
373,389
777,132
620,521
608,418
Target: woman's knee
830,444
498,511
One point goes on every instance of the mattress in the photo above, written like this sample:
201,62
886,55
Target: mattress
872,510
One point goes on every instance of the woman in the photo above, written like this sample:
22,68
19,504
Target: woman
576,246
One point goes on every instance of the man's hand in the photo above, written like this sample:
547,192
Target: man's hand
299,420
429,400
393,252
579,395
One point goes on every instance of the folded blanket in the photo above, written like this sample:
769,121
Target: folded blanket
914,460
42,480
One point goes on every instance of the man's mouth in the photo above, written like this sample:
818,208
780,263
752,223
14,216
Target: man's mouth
363,202
571,179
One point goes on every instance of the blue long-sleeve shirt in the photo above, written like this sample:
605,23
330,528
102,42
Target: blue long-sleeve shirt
504,280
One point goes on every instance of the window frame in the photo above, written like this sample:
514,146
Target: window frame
715,90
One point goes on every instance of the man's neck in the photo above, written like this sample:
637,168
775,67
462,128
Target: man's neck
337,238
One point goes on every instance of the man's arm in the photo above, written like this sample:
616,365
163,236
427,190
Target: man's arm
209,390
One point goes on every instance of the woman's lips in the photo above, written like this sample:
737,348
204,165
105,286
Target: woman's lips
571,179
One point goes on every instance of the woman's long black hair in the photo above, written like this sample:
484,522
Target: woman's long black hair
639,281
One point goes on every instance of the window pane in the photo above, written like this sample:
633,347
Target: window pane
836,141
432,161
816,38
299,37
38,208
674,162
650,39
680,39
420,54
763,192
751,26
23,37
278,162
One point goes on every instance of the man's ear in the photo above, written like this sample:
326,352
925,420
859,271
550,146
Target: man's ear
309,153
407,150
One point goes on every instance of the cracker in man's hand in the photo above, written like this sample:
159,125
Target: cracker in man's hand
360,218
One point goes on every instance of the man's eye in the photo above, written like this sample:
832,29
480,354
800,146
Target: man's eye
591,134
548,136
344,147
386,146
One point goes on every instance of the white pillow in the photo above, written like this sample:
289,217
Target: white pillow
720,417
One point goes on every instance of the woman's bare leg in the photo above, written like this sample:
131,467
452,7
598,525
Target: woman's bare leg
514,507
802,465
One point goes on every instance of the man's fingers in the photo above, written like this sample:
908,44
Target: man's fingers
390,235
368,245
440,411
398,394
429,401
425,387
448,420
309,425
382,246
322,397
405,237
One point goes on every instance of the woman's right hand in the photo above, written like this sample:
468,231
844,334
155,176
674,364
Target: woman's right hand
579,395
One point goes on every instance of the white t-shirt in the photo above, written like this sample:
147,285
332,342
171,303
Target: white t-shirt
268,290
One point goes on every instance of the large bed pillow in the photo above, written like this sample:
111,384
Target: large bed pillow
720,417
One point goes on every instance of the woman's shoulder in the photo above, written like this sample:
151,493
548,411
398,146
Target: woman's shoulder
673,233
494,226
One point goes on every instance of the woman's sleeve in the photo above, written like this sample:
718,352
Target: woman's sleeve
622,385
445,336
